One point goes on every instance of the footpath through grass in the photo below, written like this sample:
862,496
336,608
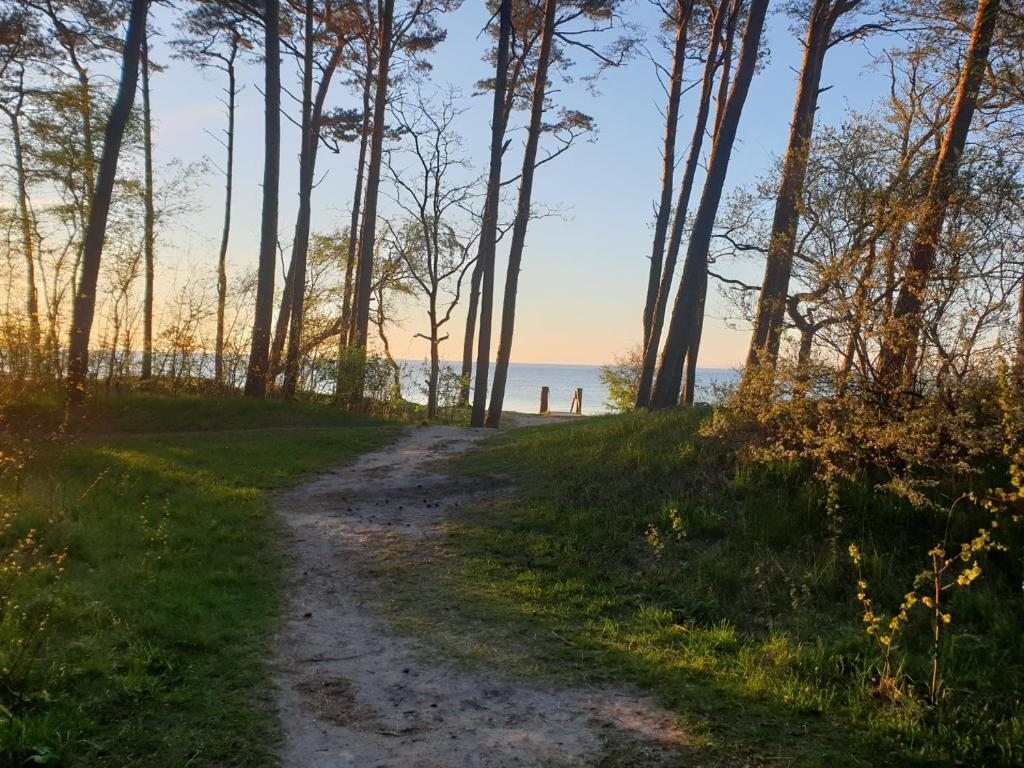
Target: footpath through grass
155,649
635,551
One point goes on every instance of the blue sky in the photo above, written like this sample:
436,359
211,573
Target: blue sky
584,274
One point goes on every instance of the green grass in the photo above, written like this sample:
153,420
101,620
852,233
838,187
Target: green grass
142,412
634,551
158,640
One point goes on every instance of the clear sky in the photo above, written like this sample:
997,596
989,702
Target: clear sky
584,274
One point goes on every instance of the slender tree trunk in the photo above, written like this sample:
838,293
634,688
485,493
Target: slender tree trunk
515,256
284,312
368,234
768,323
1019,365
470,336
311,109
435,369
900,340
859,311
653,341
699,286
684,9
95,233
27,244
689,388
112,357
222,256
300,240
256,376
357,201
489,225
684,331
149,221
727,55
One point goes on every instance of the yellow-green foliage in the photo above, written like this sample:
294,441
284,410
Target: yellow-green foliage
949,454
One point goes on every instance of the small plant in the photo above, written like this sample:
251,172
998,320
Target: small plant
450,385
622,379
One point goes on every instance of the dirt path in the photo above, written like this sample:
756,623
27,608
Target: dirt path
353,692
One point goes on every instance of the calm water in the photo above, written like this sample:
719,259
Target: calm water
522,391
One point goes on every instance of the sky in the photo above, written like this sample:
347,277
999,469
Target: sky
584,272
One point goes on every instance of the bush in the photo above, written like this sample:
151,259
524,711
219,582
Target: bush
948,463
622,378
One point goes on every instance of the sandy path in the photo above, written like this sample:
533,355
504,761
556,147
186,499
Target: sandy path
352,692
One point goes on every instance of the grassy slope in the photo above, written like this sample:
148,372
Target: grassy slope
159,635
637,552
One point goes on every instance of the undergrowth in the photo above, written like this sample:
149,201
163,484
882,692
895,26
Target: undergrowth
655,554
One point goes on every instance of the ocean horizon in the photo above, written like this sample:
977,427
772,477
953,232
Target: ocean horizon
522,390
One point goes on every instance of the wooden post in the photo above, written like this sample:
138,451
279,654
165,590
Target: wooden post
544,399
576,406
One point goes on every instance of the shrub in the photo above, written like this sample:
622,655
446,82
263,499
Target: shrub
622,379
948,464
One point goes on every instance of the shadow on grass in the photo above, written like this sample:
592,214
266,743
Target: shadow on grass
635,551
158,637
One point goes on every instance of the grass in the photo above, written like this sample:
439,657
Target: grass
156,648
155,412
634,551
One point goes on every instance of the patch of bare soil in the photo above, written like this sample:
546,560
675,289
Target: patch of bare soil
352,691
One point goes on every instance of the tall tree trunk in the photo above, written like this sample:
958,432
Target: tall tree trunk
515,256
900,339
489,226
653,340
684,331
470,335
149,220
771,307
368,234
312,116
684,10
435,368
27,244
300,240
357,202
95,233
284,312
727,56
689,388
222,256
1019,364
259,353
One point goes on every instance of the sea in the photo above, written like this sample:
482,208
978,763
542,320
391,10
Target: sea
522,390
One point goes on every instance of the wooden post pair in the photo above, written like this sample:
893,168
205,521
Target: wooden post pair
575,407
